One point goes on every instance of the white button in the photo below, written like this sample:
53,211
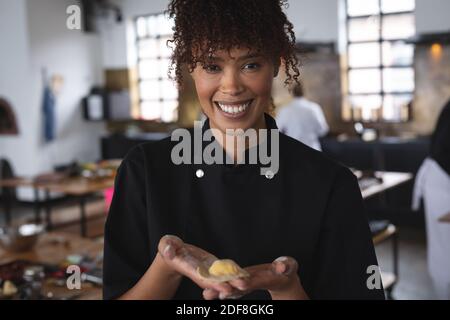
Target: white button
269,174
199,173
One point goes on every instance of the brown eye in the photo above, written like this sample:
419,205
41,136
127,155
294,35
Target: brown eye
251,66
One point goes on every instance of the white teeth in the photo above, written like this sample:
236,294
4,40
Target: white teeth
233,109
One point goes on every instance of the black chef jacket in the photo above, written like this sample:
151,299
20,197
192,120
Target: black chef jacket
311,210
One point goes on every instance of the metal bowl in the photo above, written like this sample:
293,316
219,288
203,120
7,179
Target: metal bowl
22,238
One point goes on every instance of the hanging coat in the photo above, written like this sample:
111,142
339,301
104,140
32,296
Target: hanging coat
433,185
48,109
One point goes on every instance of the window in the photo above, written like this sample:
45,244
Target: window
380,74
158,95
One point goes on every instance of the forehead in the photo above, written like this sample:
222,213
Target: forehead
235,53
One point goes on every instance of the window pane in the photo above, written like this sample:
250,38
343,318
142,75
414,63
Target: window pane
366,107
170,111
364,81
169,90
150,90
165,25
395,107
164,68
141,27
389,6
151,110
362,8
398,80
149,69
164,49
153,26
148,48
397,53
364,55
364,29
398,26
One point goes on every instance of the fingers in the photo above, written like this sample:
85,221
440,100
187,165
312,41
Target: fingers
260,276
235,295
223,288
168,246
218,291
271,276
210,294
240,284
285,266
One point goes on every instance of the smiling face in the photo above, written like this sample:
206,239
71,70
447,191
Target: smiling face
234,88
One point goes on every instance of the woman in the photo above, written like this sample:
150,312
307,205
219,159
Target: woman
299,231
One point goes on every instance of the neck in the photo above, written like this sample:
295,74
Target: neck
230,143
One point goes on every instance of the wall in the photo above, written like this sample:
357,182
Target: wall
41,39
314,20
15,82
432,70
433,86
432,16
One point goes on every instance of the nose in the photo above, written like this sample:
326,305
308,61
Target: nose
231,83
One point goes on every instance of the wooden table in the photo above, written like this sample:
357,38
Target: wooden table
15,183
76,187
53,248
389,180
79,188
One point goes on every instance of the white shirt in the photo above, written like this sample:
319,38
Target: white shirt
433,185
303,120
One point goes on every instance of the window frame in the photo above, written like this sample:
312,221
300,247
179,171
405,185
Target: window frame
380,66
161,79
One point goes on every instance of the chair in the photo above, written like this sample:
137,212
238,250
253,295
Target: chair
8,195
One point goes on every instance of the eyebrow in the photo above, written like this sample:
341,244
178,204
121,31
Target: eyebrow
247,56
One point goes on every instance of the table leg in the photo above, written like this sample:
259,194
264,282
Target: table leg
48,211
395,254
37,206
7,207
83,219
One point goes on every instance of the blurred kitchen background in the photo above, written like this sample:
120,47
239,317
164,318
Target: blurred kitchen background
74,101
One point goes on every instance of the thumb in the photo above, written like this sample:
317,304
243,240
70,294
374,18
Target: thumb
168,246
285,265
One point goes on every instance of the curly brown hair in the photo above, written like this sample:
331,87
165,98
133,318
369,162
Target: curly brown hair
204,26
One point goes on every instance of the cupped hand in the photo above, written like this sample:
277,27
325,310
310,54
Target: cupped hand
280,278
